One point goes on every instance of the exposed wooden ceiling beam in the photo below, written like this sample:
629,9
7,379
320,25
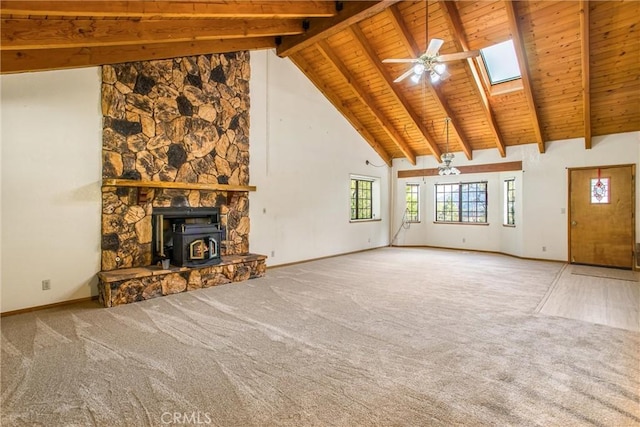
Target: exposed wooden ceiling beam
453,18
518,44
366,100
407,39
586,92
22,34
170,9
373,59
17,61
351,13
491,167
312,75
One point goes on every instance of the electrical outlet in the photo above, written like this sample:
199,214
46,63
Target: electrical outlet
273,254
46,284
544,249
464,240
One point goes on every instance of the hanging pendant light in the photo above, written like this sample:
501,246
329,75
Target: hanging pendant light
447,157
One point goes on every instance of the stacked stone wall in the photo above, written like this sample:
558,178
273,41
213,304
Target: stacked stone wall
178,120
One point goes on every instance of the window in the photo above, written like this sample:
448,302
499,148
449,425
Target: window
365,196
461,202
510,202
599,190
413,202
361,199
501,62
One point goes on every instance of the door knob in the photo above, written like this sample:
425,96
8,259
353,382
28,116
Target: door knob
573,223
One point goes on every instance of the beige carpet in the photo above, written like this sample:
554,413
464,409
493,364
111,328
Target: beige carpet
389,337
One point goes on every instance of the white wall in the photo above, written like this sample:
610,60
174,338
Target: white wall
51,171
541,191
302,154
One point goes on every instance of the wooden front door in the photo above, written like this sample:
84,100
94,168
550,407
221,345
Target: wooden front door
601,216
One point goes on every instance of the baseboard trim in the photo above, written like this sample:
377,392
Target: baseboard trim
324,257
44,307
480,251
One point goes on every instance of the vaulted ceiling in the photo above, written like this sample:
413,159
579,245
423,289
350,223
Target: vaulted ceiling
579,60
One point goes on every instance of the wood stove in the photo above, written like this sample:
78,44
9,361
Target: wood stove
189,237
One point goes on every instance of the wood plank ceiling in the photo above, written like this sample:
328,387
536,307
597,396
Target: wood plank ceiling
579,60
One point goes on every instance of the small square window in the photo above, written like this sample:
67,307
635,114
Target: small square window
509,202
599,190
361,199
413,202
501,62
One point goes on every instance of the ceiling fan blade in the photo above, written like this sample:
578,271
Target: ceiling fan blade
404,75
434,47
403,60
455,56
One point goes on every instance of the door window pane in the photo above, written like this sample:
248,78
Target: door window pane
599,190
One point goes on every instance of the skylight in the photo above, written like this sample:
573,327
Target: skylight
501,62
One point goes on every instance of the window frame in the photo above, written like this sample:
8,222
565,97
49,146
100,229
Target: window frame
509,214
414,190
492,66
356,198
458,204
502,87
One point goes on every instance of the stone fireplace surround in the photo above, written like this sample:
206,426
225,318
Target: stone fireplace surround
175,134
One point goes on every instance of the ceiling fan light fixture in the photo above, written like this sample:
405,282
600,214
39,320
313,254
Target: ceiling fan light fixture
430,61
440,68
447,157
446,169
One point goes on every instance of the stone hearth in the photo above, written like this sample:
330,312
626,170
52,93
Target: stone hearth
137,284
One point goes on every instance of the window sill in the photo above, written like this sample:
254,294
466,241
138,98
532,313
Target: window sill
365,220
509,225
460,223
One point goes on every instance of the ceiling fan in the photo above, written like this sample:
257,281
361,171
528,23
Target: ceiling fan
430,62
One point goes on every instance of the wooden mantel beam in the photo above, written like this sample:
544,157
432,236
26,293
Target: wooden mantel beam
267,9
116,182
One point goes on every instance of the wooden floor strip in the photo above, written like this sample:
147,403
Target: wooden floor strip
597,295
